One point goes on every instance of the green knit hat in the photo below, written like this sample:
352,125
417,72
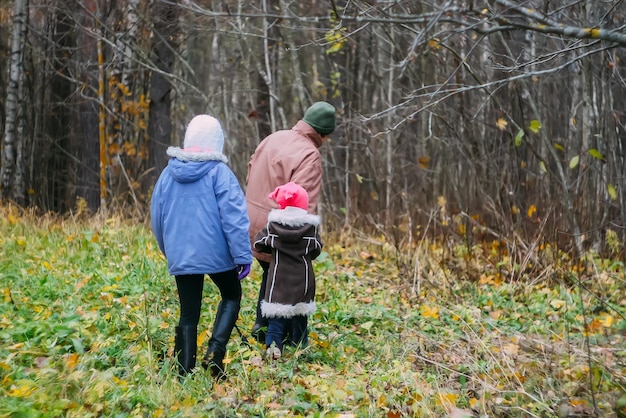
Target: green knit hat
321,117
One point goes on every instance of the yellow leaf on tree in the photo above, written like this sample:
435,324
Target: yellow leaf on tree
596,154
532,209
611,191
114,148
519,137
501,124
534,126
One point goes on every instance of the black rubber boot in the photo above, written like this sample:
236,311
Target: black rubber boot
185,348
225,319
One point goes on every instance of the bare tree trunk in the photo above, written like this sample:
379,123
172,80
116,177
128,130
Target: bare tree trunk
102,127
11,189
123,91
84,141
389,140
298,87
268,64
52,163
165,17
130,39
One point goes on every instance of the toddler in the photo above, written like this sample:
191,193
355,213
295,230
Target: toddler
292,238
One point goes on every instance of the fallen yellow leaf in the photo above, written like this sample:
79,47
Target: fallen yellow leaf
606,320
21,391
429,311
557,303
71,360
447,399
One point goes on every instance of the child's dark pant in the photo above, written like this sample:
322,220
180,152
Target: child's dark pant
277,330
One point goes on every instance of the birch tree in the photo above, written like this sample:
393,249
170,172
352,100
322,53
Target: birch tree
12,173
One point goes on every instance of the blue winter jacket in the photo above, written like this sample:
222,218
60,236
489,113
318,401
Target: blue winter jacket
199,218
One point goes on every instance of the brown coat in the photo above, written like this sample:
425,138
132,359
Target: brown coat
284,156
292,239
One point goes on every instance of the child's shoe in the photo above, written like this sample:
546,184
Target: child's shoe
273,353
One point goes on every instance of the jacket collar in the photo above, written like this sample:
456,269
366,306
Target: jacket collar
292,216
307,130
183,155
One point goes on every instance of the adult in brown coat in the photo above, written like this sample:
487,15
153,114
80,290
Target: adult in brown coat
290,155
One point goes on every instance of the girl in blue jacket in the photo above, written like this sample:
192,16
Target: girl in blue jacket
200,221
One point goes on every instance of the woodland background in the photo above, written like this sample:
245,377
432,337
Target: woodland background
473,203
480,120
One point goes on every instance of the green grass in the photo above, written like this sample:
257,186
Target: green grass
88,313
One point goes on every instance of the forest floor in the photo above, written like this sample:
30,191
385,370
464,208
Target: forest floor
88,314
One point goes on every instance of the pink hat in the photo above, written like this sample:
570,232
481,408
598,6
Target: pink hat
290,194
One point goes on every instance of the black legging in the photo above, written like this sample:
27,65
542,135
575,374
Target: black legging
190,293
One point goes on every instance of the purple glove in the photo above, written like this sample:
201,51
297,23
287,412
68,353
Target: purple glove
242,271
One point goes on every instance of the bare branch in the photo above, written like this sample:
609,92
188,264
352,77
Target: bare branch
545,25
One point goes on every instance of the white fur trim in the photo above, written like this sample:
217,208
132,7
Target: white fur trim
293,216
182,155
278,310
